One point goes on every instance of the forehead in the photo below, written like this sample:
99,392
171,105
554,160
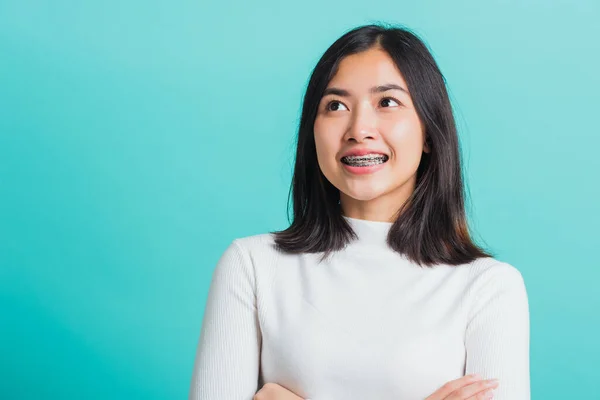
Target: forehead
361,71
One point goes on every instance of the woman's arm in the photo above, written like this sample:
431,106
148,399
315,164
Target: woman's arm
228,354
497,334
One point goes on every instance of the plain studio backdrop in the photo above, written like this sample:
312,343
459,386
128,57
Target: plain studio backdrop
138,138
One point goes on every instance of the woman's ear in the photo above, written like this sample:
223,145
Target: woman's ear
427,145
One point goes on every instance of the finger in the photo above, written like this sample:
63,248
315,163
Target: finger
452,386
473,389
485,395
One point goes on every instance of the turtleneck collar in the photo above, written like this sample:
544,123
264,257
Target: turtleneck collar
370,232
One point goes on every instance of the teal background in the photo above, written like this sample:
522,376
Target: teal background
138,138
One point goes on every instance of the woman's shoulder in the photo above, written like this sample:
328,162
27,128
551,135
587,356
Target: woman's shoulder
488,265
496,289
492,272
257,250
260,242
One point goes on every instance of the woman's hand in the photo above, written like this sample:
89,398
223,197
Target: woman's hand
272,391
469,387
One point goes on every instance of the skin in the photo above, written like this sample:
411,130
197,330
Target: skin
385,121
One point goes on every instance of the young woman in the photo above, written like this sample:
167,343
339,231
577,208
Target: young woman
376,290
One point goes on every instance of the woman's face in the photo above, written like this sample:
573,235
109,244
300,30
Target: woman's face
367,106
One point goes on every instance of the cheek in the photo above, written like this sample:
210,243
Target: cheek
326,142
325,154
406,138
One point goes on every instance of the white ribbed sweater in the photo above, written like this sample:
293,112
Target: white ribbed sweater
365,324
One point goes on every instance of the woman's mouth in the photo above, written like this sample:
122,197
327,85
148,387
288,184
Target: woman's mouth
364,161
366,164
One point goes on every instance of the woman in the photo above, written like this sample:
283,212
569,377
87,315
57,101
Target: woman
376,290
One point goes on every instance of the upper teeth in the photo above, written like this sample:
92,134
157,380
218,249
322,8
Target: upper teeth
372,156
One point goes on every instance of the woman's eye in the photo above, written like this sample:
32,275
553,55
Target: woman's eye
388,99
337,106
334,106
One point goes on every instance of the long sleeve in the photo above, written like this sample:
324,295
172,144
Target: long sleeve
497,333
228,354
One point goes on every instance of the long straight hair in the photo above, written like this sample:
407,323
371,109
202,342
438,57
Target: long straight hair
431,226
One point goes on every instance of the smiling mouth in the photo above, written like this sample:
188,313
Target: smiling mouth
364,161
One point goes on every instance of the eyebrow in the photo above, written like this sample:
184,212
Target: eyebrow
375,89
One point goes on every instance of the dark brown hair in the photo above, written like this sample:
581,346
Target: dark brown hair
431,227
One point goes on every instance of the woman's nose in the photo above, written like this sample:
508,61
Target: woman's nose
363,124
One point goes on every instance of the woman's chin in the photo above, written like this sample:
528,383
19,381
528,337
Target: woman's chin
363,194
